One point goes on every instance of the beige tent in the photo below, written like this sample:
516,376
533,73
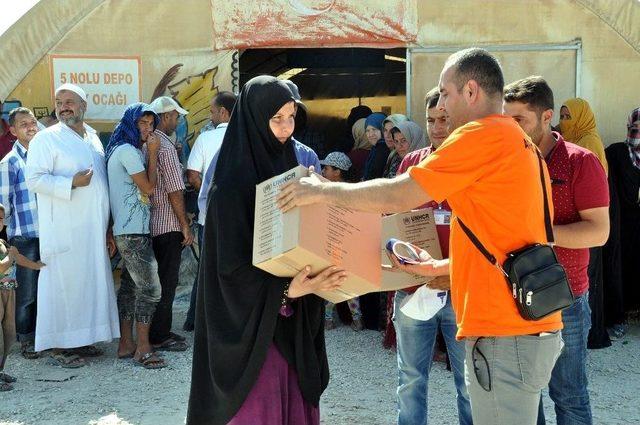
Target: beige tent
127,50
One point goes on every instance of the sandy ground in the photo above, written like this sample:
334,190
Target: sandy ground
361,390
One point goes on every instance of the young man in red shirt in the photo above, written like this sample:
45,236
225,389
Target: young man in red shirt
581,221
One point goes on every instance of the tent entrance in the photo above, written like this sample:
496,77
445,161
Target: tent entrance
334,80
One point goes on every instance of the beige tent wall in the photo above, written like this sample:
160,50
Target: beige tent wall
165,35
558,67
609,63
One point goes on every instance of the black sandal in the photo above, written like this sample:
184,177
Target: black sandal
67,359
171,345
7,378
27,349
87,351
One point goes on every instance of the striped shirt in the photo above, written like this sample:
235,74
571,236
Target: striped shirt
163,219
20,208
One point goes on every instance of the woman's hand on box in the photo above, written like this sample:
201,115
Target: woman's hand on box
329,279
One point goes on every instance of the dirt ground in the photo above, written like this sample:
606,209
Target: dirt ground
361,390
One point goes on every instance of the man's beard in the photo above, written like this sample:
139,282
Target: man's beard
73,119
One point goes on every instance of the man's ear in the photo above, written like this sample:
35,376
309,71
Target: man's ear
471,91
546,117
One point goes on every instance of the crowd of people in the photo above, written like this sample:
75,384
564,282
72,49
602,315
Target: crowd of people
70,205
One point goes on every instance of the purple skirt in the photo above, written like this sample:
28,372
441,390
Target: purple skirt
275,399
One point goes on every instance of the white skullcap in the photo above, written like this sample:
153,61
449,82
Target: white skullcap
72,87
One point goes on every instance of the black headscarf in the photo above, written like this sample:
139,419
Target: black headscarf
237,308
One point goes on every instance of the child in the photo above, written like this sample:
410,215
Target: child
8,257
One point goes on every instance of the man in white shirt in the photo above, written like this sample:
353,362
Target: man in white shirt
66,169
208,143
204,149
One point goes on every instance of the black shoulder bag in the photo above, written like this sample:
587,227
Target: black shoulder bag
538,282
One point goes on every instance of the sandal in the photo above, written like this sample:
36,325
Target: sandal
7,378
27,349
150,360
5,386
67,359
177,337
171,345
87,351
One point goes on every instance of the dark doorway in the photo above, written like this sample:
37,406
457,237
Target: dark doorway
331,81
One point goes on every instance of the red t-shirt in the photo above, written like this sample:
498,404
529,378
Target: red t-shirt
578,183
6,139
444,230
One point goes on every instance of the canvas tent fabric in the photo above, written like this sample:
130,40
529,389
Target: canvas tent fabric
182,40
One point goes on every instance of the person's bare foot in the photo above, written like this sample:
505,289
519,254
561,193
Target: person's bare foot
126,349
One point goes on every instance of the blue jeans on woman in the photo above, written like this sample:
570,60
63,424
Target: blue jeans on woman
416,341
568,384
27,290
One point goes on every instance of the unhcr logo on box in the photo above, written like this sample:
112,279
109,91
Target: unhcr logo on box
421,217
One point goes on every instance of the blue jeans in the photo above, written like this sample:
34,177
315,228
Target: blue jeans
416,340
27,291
191,313
568,384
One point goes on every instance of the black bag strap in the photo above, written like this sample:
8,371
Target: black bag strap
547,222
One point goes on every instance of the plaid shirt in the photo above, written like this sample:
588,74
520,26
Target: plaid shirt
20,208
163,219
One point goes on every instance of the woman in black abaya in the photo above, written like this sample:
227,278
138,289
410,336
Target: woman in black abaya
259,352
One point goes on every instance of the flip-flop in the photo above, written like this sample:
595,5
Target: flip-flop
126,356
4,386
177,337
150,360
67,360
28,352
7,378
87,351
172,345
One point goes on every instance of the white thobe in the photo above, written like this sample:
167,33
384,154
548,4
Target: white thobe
76,296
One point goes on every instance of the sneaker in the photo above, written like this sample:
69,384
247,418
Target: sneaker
329,324
357,325
617,332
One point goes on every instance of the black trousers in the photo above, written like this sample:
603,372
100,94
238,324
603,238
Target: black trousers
168,250
598,336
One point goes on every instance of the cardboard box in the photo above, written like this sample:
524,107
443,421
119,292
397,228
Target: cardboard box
417,227
323,235
316,235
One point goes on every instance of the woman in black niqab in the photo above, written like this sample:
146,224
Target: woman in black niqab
238,305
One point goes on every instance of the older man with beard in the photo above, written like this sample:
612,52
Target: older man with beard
66,169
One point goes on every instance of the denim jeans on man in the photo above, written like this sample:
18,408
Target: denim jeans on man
140,286
416,340
27,290
568,384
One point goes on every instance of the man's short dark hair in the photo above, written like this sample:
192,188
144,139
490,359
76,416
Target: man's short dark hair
226,99
480,66
19,110
432,97
533,90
